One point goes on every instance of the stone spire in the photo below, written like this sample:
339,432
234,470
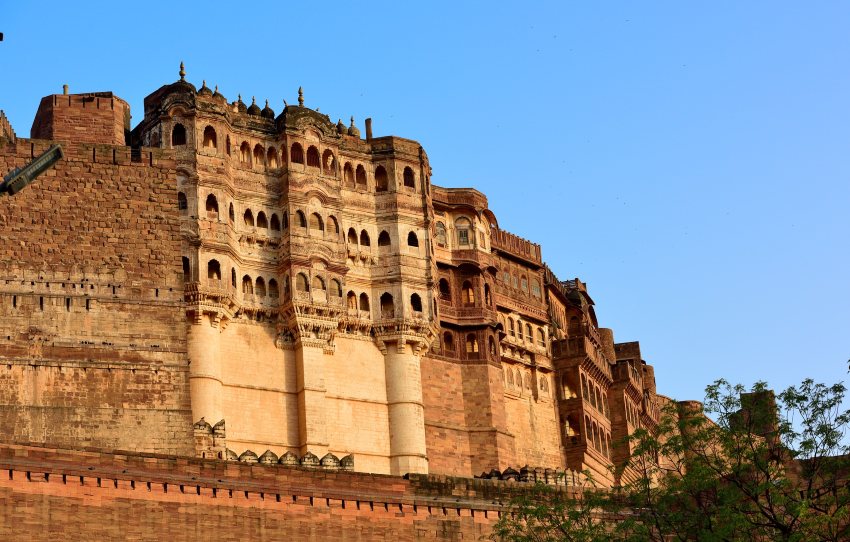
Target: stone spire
182,71
300,97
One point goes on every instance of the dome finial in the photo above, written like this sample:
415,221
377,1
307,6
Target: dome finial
182,71
300,96
352,120
267,102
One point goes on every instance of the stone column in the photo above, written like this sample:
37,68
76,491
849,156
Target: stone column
205,369
312,410
406,411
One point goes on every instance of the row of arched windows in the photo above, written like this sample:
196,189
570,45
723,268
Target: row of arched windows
594,395
258,287
326,162
521,283
515,329
597,437
262,220
384,240
317,284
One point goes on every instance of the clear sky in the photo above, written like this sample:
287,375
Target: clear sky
688,160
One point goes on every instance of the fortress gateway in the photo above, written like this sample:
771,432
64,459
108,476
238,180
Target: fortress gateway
223,282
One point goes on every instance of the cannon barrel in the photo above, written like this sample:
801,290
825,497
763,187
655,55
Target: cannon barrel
19,178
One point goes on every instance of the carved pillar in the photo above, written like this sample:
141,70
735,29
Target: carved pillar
205,368
404,403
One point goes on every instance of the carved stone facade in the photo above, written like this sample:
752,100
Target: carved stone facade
334,303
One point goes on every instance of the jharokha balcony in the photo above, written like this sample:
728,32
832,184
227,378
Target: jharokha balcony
516,246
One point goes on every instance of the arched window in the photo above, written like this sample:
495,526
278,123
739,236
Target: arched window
245,153
535,288
585,391
519,330
274,291
409,179
524,283
313,157
178,135
316,223
364,239
248,218
468,294
416,303
352,237
275,222
518,379
272,158
247,285
384,240
511,331
333,225
491,346
213,270
412,240
510,377
260,289
541,337
259,155
336,288
448,342
212,207
230,214
382,183
318,283
529,334
328,163
233,277
440,234
348,174
262,221
182,202
445,290
210,140
487,300
227,145
364,302
286,286
296,154
463,227
471,344
351,301
361,176
300,219
387,306
301,283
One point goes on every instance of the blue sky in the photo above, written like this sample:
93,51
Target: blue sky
689,161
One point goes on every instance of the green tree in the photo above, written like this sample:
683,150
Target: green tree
750,466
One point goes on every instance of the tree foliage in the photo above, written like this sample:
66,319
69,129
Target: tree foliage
751,466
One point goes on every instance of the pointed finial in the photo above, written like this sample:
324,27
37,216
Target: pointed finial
204,83
216,88
352,120
267,102
300,97
182,71
239,96
284,103
253,100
